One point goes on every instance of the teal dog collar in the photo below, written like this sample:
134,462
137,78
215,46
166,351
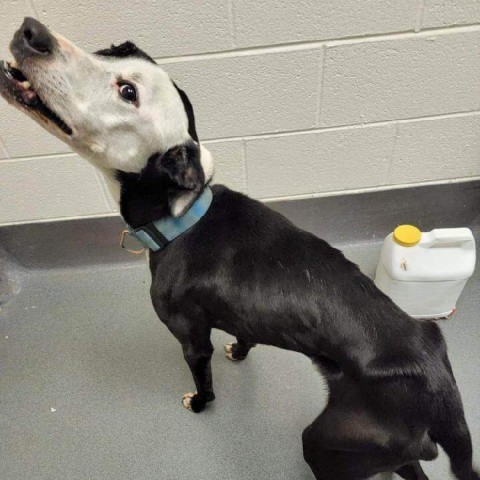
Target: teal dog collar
158,234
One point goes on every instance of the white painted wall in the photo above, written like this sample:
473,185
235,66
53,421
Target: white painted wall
293,97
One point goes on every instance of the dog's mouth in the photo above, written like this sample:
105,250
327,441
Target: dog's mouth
16,86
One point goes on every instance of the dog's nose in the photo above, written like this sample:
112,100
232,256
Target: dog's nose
32,39
36,36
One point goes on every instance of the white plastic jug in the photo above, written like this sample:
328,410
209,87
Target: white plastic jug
424,272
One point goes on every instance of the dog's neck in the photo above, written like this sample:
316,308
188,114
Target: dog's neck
142,199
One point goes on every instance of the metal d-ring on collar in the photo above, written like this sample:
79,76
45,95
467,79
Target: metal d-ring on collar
158,234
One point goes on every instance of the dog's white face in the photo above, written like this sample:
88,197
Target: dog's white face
116,107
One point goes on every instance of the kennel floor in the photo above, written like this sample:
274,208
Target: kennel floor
91,385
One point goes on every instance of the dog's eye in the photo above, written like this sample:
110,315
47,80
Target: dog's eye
128,92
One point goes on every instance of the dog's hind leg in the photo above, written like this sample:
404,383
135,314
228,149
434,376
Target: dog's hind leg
239,350
412,471
345,465
347,443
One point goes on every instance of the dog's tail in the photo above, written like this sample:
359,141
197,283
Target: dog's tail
451,432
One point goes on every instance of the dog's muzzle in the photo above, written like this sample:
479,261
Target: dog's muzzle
32,42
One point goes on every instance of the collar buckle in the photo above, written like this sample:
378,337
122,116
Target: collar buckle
123,237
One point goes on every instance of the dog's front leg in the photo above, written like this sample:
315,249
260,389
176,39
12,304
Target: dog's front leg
197,353
193,333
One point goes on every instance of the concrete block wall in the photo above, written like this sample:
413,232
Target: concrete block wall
313,97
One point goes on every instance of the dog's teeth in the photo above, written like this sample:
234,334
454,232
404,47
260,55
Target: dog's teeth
26,84
13,64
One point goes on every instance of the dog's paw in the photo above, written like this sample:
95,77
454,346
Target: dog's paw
231,353
187,400
194,402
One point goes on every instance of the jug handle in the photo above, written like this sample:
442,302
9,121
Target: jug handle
452,235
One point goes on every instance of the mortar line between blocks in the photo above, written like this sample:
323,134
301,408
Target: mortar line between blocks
233,24
351,126
334,193
103,188
392,153
420,14
245,163
321,82
377,188
286,133
38,157
60,219
287,47
3,148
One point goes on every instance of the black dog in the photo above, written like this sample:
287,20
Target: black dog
245,269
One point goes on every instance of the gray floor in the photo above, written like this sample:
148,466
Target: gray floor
86,343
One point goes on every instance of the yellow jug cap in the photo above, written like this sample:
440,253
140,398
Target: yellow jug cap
407,235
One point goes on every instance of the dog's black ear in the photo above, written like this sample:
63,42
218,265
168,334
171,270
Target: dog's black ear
182,165
126,49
